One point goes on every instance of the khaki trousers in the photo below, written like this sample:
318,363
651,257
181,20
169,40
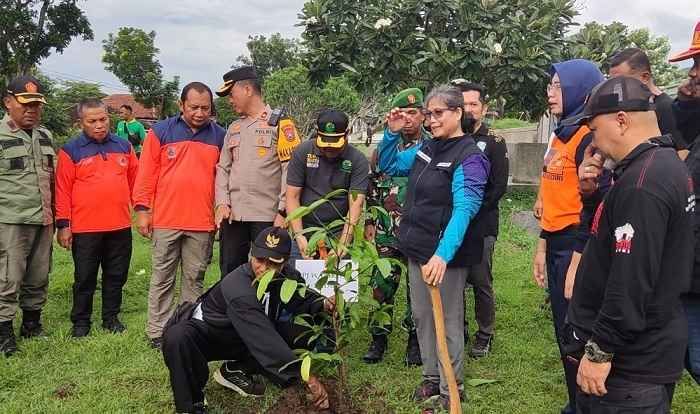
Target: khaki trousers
190,249
25,263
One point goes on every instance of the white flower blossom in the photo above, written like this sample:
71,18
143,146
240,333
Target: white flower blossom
382,23
497,48
312,20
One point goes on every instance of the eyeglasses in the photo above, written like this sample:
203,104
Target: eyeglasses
437,112
552,87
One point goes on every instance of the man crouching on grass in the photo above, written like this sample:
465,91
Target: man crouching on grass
228,322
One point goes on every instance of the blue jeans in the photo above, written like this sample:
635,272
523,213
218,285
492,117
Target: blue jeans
692,311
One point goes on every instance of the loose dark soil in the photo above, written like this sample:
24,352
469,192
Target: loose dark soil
294,400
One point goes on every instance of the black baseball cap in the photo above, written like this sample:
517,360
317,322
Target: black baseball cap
235,75
613,95
273,244
332,126
26,89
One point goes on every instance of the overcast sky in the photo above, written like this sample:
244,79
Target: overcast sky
200,40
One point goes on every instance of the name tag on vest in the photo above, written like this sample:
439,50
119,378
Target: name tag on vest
424,156
444,164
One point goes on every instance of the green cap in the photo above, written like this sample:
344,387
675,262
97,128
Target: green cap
408,98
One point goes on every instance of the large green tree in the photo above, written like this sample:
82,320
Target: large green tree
390,44
31,29
131,55
599,43
291,88
271,54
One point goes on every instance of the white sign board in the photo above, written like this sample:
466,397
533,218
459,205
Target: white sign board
312,270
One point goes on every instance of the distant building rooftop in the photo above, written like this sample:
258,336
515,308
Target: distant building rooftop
114,102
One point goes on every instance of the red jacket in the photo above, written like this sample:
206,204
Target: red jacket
176,175
94,182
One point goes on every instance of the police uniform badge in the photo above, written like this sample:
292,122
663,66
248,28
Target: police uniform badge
287,139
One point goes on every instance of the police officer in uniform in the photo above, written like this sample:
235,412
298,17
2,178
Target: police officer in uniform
390,193
27,160
230,322
252,171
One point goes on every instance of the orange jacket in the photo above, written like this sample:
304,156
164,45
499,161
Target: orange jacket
94,183
176,175
561,199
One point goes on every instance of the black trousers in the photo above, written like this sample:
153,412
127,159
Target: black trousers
190,345
234,243
110,251
627,397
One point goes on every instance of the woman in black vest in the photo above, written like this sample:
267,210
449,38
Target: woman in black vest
447,177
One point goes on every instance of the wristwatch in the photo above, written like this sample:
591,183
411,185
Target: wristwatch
595,354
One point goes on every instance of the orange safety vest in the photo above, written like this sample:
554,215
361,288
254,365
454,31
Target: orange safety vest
561,200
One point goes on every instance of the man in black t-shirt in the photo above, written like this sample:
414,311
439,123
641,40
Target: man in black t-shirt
633,62
626,323
320,166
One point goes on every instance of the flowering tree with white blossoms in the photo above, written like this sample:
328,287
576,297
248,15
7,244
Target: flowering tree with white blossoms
387,45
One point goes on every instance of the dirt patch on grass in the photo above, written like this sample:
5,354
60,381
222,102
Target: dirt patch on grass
64,391
294,400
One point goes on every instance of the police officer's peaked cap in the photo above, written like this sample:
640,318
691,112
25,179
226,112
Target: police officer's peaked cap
408,98
26,89
235,75
614,95
273,244
331,126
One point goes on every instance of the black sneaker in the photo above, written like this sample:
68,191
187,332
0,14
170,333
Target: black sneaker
234,378
481,347
376,350
113,325
425,391
413,357
8,343
80,331
156,343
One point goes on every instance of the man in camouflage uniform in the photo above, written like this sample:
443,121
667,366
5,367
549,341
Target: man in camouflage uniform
27,160
390,193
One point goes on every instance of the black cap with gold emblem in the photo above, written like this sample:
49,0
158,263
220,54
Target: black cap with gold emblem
332,127
273,244
26,89
235,75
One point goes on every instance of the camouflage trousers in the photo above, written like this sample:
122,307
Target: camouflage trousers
384,291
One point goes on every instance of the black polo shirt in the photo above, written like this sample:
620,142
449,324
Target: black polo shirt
636,266
318,176
496,151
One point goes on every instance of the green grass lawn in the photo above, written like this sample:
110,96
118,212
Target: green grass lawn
108,373
507,123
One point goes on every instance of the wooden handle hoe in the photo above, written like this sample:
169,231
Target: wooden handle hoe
443,354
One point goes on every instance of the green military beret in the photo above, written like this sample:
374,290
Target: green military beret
408,98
